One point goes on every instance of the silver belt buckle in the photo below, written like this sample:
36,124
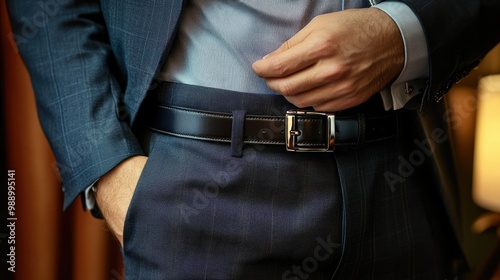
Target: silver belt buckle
291,132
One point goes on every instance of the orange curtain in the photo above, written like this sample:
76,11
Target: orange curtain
49,244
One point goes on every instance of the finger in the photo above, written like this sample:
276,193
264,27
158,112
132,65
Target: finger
332,97
318,75
336,105
293,55
342,102
287,62
315,97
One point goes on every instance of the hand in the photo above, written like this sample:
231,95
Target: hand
339,60
114,192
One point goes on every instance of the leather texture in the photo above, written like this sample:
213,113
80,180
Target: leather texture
217,126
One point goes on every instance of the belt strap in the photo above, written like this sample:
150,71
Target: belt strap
311,130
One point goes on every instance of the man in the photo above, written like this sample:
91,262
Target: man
192,86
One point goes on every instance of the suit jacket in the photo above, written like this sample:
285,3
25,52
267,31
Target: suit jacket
92,62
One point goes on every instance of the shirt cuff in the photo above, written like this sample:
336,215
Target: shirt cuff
412,80
89,198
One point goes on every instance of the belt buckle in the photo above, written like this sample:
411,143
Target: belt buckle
291,132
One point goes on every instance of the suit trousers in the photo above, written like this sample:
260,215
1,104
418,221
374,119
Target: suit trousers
200,213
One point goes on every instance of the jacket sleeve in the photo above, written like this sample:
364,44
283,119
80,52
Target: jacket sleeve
459,33
65,47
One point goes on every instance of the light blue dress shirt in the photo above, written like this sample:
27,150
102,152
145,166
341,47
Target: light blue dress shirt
219,40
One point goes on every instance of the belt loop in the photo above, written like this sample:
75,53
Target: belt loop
238,133
361,128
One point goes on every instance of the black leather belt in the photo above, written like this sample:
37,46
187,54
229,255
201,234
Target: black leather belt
298,130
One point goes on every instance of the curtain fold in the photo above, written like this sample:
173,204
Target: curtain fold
50,244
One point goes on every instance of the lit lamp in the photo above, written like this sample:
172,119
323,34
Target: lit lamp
486,180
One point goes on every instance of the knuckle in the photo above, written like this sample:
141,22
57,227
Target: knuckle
331,74
324,47
279,67
318,19
285,89
346,88
337,72
286,45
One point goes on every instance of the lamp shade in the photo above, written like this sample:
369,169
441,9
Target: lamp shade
486,178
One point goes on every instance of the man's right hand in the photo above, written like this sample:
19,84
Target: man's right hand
114,192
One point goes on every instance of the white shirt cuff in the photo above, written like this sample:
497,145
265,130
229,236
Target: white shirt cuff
412,79
90,202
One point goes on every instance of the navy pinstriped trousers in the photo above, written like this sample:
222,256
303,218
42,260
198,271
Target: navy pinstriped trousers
200,213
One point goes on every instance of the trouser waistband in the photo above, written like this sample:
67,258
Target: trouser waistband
227,116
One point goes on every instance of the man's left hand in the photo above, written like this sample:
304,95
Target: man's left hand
337,61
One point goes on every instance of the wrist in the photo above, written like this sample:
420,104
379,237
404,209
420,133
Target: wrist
95,210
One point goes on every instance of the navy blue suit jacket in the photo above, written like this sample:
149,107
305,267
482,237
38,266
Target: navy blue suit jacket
92,62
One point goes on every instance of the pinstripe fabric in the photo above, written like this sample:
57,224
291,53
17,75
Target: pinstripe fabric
224,217
391,233
264,215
